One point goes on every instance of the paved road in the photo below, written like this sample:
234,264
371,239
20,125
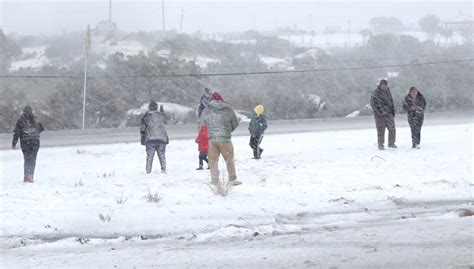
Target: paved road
188,131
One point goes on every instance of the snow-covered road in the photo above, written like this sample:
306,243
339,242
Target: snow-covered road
318,200
188,131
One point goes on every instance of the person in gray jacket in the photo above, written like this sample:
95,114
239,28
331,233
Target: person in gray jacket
154,136
222,121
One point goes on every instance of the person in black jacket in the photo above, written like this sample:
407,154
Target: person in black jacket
384,112
414,104
28,130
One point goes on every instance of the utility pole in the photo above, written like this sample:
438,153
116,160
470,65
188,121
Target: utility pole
163,15
87,48
110,11
349,32
181,21
309,22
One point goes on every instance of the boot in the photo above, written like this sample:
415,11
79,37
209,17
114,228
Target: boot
381,147
199,168
235,182
393,146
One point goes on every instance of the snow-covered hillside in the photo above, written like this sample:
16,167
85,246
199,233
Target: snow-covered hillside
315,200
33,57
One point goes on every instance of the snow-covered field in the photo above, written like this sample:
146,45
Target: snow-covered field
315,200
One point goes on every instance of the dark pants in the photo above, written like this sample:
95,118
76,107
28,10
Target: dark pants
30,151
255,141
382,122
416,122
159,147
203,158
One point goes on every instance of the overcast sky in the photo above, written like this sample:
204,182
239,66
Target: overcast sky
50,17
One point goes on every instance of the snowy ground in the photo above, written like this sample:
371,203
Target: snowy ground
316,200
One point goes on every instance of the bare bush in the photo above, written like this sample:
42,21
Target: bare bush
105,218
106,175
223,187
121,199
153,198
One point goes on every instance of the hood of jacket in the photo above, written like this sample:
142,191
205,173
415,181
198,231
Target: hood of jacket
218,105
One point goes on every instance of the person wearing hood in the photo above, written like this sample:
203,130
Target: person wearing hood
384,113
28,130
414,104
154,136
203,103
221,121
203,146
257,127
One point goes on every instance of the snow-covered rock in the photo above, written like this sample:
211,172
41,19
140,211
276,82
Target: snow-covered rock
318,102
353,114
175,114
241,115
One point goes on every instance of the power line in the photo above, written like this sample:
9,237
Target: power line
242,73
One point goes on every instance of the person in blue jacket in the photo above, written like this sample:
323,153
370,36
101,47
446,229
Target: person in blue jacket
257,127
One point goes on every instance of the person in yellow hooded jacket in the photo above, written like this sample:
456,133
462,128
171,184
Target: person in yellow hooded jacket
257,127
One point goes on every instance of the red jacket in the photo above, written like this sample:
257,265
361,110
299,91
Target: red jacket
202,139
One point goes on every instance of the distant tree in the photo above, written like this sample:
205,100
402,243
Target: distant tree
430,24
366,33
8,50
273,46
384,44
11,105
446,33
466,31
64,49
332,29
386,25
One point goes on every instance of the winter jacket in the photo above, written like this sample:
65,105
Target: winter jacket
257,125
153,126
382,103
419,102
27,129
221,121
202,139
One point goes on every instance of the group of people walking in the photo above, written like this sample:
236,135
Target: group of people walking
217,120
384,112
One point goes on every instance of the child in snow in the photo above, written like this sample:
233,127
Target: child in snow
203,141
257,127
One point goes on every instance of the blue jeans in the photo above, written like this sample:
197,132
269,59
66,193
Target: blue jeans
159,147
